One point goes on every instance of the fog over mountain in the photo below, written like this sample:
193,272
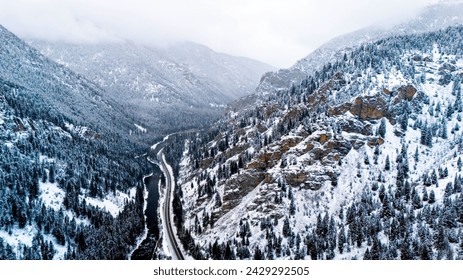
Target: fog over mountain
273,31
165,89
114,148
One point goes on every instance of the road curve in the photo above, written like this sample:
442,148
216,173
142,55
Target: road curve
166,211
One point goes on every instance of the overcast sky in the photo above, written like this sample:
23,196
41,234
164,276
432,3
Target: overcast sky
278,32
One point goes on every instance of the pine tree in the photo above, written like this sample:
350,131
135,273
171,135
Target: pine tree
387,165
460,251
387,210
457,188
407,190
258,254
367,254
449,112
292,207
341,239
425,195
51,174
432,197
427,180
286,227
448,189
44,176
426,135
434,177
443,129
382,128
406,252
218,201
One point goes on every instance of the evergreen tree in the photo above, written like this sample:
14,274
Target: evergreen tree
51,174
387,210
258,254
382,128
286,227
292,207
426,135
443,129
432,197
457,188
425,195
448,189
387,165
341,239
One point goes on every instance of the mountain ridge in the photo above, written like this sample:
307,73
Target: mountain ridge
430,18
323,169
157,84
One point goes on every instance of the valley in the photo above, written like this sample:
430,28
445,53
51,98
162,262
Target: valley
129,151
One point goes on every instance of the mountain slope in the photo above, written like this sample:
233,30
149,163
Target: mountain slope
70,186
360,160
431,18
180,86
45,82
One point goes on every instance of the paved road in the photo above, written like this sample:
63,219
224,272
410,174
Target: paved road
166,211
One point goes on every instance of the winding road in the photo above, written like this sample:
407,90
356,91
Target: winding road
166,211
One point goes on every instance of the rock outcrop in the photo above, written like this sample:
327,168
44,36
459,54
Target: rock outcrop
375,107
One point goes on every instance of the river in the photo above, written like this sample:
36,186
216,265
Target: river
146,250
148,247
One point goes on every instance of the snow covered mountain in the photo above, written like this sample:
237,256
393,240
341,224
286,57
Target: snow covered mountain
171,88
68,177
431,18
361,160
47,88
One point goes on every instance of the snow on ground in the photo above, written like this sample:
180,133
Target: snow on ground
222,226
60,250
140,128
51,195
214,105
45,159
355,174
145,231
113,203
19,236
155,145
9,145
160,142
24,236
80,130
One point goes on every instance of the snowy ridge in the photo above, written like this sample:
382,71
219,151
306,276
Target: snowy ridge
431,18
182,86
326,169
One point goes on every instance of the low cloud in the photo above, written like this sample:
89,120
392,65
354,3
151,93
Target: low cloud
275,31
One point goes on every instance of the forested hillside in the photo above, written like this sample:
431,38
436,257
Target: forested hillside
167,89
70,182
361,160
